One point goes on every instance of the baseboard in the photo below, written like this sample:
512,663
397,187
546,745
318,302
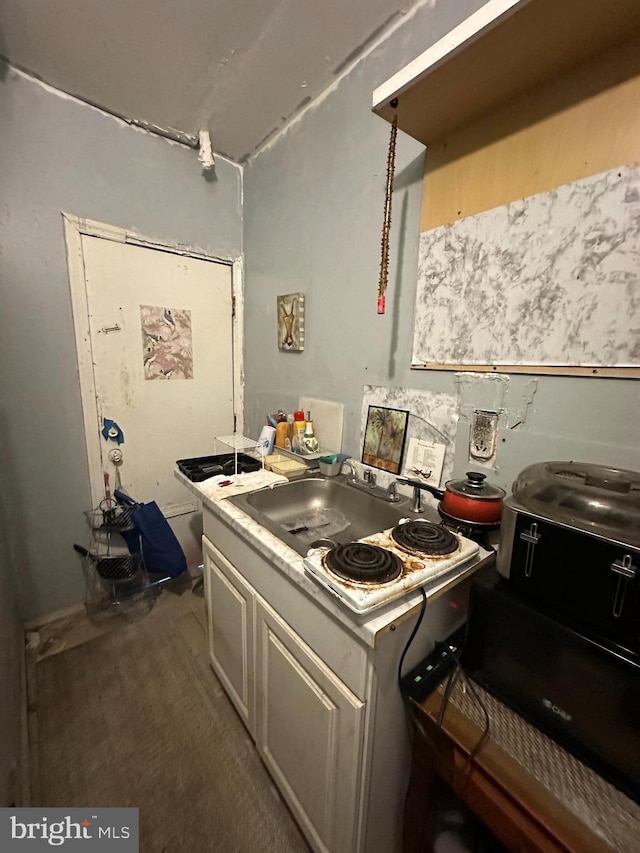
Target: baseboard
45,619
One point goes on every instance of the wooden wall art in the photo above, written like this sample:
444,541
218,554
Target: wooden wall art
291,322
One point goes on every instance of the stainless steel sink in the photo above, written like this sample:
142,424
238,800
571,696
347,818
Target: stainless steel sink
304,511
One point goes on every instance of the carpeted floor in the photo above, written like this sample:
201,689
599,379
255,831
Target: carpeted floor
131,718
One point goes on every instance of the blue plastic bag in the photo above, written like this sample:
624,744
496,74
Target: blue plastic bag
152,536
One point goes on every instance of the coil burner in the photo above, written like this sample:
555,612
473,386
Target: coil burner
381,568
362,563
424,538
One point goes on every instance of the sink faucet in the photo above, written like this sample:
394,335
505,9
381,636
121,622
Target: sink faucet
416,505
370,478
369,484
353,476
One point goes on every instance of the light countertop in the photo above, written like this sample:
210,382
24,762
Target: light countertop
369,627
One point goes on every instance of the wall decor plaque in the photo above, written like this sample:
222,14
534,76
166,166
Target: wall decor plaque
291,322
384,438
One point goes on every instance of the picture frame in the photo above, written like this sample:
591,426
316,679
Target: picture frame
385,434
291,322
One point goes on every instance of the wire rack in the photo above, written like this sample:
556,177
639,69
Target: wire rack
109,517
237,442
116,581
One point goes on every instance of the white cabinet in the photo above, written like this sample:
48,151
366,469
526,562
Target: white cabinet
321,703
309,732
230,608
308,725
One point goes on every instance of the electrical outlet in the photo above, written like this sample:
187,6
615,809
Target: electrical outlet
483,435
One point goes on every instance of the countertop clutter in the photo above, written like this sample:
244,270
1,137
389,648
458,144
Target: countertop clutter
314,429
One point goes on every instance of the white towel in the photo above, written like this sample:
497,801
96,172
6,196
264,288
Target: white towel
240,483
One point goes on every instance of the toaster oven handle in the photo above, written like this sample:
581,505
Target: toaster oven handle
626,571
531,537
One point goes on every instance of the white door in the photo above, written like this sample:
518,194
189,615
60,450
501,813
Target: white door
159,340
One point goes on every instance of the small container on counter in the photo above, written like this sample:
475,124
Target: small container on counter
266,440
282,434
330,466
309,441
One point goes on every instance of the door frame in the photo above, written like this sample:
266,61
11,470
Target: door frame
74,229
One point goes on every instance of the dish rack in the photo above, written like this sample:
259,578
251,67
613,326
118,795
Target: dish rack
117,583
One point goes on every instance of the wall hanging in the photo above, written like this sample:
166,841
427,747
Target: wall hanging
549,280
386,221
291,322
384,438
167,345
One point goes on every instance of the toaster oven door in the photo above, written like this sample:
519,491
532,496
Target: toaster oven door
585,581
577,691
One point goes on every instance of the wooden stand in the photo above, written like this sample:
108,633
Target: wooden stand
520,812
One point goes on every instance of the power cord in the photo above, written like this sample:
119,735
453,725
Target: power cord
451,682
423,607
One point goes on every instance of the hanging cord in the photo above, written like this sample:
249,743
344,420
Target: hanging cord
411,716
423,607
386,224
448,690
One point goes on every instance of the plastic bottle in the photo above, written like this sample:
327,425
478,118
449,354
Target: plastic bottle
297,442
289,441
281,434
265,440
309,441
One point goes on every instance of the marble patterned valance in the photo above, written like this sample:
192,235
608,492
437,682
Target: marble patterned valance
551,280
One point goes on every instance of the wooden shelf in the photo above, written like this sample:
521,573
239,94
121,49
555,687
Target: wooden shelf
530,791
505,49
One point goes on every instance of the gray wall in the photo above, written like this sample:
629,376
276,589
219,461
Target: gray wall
313,217
60,155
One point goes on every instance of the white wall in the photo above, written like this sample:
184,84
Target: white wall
313,218
57,154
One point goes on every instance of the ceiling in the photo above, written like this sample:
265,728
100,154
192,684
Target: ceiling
240,70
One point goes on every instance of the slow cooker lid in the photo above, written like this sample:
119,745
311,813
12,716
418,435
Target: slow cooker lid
592,497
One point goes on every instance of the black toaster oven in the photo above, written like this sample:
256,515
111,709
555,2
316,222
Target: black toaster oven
583,693
570,542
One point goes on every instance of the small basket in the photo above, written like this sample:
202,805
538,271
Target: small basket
110,517
120,567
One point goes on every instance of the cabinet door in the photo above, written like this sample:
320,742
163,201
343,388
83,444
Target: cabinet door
230,605
309,732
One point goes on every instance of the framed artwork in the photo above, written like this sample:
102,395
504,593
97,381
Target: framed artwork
167,344
291,322
384,436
